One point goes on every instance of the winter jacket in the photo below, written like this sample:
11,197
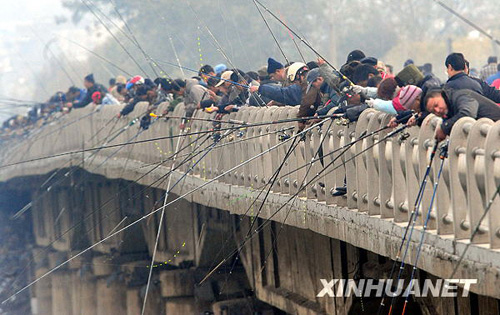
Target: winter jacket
467,103
194,94
130,106
462,81
489,91
310,101
290,95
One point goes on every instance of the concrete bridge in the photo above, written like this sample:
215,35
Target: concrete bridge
78,198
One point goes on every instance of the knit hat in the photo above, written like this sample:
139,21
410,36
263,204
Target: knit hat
273,65
355,55
408,95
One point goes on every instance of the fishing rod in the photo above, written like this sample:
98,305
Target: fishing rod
236,142
340,74
294,42
210,148
114,36
411,221
117,194
271,31
469,22
167,192
162,138
221,50
443,155
261,226
152,213
97,55
270,187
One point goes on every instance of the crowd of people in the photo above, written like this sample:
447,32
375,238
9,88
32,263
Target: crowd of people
316,88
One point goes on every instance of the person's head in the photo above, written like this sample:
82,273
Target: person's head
297,72
387,89
89,81
220,68
348,69
121,89
253,75
427,68
314,79
73,93
355,55
492,59
467,67
408,62
454,63
275,70
112,82
179,87
389,69
374,81
205,72
226,78
363,73
435,103
263,75
312,65
371,61
410,97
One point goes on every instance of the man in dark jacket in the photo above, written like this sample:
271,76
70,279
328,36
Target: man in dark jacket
91,87
458,79
452,105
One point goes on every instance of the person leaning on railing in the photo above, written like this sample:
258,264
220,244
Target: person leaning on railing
451,105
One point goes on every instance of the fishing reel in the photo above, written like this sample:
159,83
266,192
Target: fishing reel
443,150
241,133
403,136
216,137
283,136
342,121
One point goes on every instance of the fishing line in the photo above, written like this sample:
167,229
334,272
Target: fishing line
159,138
443,155
259,228
151,213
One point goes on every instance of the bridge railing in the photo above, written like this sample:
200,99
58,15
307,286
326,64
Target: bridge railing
383,181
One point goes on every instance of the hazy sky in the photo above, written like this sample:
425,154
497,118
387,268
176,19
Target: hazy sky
26,26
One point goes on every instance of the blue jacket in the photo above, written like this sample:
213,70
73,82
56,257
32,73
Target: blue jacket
290,95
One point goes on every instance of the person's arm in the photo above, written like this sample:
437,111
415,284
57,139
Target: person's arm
128,108
490,92
465,106
290,95
383,106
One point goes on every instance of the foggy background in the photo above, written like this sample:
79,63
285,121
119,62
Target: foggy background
41,41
